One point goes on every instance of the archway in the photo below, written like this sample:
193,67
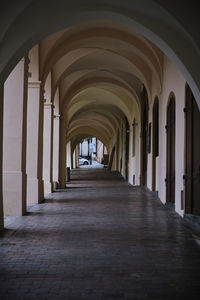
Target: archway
192,155
20,32
170,178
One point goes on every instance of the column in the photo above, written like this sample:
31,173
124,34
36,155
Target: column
69,155
62,154
77,155
1,158
56,133
14,140
47,147
35,192
74,159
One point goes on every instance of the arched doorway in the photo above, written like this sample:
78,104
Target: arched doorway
144,136
170,176
192,163
155,151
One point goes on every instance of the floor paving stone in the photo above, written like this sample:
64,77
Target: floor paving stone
99,239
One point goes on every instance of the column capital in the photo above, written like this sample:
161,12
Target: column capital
48,105
34,84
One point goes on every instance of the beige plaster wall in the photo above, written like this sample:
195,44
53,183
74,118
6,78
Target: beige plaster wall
174,82
34,63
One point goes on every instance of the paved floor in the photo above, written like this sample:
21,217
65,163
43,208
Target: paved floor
101,239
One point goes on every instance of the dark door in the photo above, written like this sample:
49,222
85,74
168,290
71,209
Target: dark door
127,148
192,176
144,136
155,141
170,179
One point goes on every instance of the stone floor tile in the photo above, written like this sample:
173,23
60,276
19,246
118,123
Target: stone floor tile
99,239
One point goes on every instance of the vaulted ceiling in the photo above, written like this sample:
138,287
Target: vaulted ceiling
99,69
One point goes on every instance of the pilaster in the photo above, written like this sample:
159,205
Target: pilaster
35,191
62,156
48,147
56,131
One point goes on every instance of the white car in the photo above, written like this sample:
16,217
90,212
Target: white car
83,161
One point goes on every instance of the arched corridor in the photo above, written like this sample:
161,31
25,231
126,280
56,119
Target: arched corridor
95,77
123,78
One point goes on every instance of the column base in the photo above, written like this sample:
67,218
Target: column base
35,190
62,184
14,193
55,185
48,187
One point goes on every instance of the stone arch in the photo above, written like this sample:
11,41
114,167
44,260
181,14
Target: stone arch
171,41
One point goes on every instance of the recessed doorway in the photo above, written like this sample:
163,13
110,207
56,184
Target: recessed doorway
192,164
170,127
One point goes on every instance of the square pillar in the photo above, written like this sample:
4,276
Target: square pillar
62,154
14,140
69,155
56,129
47,147
77,156
35,190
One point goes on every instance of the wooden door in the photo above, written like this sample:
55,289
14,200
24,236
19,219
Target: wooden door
144,136
170,178
155,141
192,170
127,148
